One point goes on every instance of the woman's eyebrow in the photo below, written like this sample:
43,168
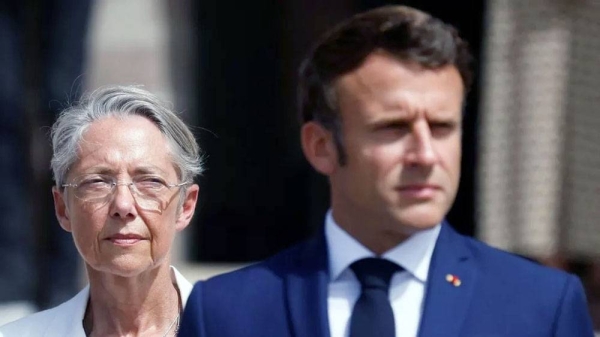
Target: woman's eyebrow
99,170
148,169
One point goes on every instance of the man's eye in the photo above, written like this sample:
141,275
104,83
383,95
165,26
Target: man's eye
394,128
397,126
442,127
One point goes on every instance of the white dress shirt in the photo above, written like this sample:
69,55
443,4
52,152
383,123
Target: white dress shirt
407,287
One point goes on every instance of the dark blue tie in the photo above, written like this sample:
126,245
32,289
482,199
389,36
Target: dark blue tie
372,315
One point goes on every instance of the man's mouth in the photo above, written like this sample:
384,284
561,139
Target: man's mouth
419,191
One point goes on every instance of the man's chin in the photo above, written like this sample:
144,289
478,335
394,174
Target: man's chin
419,218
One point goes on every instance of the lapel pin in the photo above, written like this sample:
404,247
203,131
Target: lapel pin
453,279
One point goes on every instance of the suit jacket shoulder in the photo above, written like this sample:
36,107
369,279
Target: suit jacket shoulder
511,266
499,294
282,296
515,275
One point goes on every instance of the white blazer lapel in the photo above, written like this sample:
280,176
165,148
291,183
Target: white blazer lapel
185,287
68,319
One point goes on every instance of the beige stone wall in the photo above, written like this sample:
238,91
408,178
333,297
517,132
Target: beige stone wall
539,178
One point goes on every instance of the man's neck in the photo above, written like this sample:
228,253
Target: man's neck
371,232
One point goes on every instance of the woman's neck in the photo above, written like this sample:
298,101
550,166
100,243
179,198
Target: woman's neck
142,305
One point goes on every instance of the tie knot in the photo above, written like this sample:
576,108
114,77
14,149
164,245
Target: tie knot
374,272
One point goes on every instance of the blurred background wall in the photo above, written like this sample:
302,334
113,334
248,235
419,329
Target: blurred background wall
43,48
530,180
540,129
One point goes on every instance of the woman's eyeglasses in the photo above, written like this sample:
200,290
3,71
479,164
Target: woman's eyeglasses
149,191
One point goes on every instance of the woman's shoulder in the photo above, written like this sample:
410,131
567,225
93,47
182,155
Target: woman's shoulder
50,322
32,325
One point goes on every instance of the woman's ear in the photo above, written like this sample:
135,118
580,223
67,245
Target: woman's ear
188,207
60,209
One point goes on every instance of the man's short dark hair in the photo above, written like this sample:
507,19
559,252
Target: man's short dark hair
405,33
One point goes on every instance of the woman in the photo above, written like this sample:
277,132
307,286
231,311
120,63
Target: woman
124,166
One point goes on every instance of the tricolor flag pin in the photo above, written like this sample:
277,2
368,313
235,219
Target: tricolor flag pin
453,279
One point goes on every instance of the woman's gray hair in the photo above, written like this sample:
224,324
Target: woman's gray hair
122,101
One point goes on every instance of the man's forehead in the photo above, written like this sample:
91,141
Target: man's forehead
403,90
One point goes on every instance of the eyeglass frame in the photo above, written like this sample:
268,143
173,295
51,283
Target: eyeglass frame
114,182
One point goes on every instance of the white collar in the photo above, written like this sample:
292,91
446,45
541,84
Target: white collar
414,254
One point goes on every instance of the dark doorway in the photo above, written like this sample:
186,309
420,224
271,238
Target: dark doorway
258,194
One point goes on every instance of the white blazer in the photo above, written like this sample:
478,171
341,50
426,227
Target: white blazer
66,320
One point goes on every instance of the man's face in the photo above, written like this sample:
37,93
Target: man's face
401,129
115,234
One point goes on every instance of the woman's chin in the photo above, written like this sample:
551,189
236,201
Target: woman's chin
123,267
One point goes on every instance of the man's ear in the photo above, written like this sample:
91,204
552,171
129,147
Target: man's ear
188,207
319,147
60,209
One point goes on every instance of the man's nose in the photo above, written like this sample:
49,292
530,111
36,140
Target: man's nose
421,150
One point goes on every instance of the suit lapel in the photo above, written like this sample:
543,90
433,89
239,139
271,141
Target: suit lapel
306,290
68,317
446,302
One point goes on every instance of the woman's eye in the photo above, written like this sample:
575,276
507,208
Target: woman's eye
95,180
150,183
152,180
95,183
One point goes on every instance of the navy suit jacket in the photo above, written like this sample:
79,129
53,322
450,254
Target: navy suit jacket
500,295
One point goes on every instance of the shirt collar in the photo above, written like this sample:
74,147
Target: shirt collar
414,254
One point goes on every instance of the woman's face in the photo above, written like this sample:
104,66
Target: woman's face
117,234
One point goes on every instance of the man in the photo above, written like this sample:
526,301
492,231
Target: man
381,99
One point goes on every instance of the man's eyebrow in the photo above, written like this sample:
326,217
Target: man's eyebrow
444,119
383,121
445,116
